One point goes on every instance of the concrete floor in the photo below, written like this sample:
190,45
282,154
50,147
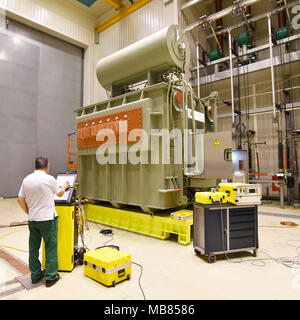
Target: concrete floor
172,271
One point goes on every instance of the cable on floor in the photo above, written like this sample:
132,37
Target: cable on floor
11,247
11,232
14,224
141,273
109,232
285,261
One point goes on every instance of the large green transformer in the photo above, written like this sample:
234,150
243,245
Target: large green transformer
137,147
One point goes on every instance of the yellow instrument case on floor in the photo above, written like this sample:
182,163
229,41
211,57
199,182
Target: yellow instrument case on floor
107,265
210,197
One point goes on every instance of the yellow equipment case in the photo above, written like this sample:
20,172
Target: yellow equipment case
242,193
107,265
210,197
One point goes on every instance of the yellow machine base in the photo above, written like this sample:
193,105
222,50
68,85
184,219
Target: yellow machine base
154,226
107,266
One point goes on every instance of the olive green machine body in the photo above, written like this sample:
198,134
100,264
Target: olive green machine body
149,184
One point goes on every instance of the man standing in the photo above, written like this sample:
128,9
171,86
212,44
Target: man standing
36,199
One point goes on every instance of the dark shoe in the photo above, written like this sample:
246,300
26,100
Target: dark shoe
50,283
34,281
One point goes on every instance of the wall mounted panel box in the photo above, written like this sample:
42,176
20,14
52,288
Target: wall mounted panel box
241,193
107,265
224,229
211,197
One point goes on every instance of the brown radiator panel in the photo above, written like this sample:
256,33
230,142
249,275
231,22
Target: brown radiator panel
87,130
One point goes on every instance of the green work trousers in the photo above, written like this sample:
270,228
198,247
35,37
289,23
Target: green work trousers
48,231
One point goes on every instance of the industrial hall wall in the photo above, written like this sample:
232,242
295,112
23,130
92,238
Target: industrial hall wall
40,85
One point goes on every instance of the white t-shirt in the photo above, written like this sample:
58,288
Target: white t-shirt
38,189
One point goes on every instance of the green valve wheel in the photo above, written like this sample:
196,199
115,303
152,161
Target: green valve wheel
281,33
244,39
215,55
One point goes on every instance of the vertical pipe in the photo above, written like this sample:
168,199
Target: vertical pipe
248,11
219,8
219,23
281,19
231,74
281,195
280,156
296,160
255,126
198,66
257,161
272,65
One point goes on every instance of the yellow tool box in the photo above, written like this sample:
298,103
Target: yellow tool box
107,265
210,197
242,193
182,215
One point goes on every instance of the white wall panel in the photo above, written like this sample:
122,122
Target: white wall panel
60,19
54,16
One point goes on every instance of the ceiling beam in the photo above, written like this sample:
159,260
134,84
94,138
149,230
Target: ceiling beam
123,12
115,3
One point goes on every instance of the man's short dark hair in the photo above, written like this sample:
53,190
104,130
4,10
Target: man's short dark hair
41,163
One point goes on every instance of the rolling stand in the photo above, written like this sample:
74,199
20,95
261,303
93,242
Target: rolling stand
225,228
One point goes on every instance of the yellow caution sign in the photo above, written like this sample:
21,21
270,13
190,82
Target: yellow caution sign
217,142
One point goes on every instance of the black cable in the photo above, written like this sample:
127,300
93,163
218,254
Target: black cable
293,263
109,232
84,245
112,238
140,278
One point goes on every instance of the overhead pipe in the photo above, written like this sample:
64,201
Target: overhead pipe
225,12
240,24
228,11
